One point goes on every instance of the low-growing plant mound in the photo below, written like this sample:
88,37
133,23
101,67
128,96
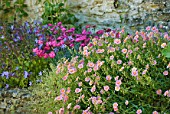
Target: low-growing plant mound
127,74
18,64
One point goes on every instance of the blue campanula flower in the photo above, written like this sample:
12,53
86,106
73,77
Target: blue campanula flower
2,37
1,27
39,81
29,31
40,73
65,39
56,28
27,24
56,50
63,46
70,38
7,76
30,83
35,30
35,22
18,37
5,73
17,68
36,40
12,27
40,46
43,38
15,39
25,74
7,86
13,74
45,26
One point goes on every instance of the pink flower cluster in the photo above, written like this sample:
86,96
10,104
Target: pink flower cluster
117,83
55,37
134,72
166,93
96,100
115,106
63,95
94,66
95,78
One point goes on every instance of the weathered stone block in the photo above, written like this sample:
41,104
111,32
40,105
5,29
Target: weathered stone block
96,11
166,10
137,1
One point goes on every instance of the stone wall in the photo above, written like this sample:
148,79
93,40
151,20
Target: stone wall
34,11
132,12
103,12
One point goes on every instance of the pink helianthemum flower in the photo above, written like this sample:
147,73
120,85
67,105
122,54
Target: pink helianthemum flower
100,51
102,91
106,88
118,82
62,91
163,45
87,79
115,105
155,112
119,62
50,113
139,111
108,77
166,93
134,71
80,66
80,84
112,49
93,89
159,92
124,51
148,28
165,73
90,64
61,111
78,90
65,77
111,57
116,78
77,107
58,98
126,102
117,88
117,41
72,70
69,106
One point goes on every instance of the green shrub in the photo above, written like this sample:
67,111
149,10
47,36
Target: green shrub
57,12
121,75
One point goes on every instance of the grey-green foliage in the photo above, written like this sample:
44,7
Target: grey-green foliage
43,102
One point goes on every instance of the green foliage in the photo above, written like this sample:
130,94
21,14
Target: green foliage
166,51
133,63
16,10
57,12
